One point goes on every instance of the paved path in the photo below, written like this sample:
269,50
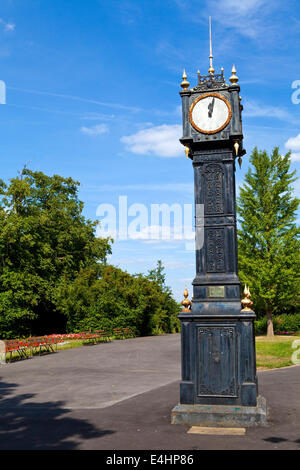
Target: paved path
96,376
120,395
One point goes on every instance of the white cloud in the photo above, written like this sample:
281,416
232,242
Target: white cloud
9,27
247,17
177,265
237,7
255,109
89,116
98,129
293,144
78,98
295,157
161,141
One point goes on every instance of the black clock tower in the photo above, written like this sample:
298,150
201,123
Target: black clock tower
219,383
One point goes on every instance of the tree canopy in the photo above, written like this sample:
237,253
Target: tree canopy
53,269
268,238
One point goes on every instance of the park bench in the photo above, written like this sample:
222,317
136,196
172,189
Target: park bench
122,333
11,346
27,347
118,333
89,337
128,333
42,344
102,335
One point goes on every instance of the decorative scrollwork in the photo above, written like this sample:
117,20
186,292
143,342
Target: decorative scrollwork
215,245
213,189
217,352
209,82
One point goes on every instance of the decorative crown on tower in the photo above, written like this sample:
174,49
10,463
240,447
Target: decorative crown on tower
212,80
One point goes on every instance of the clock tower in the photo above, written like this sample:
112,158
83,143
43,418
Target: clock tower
219,382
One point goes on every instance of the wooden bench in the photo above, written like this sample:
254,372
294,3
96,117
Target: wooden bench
42,344
27,347
122,333
102,335
11,346
88,337
128,333
118,333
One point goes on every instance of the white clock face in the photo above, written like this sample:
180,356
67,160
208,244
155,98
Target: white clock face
210,113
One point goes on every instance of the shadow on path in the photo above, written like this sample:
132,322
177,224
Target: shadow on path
40,426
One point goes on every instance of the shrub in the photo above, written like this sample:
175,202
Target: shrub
288,322
282,323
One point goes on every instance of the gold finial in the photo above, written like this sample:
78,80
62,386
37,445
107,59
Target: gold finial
246,302
234,78
211,70
236,147
198,73
184,84
187,151
186,302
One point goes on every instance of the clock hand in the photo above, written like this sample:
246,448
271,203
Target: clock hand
211,108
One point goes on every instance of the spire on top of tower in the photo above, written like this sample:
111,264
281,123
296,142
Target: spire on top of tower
211,70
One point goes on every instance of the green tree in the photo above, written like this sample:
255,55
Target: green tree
165,318
118,299
268,239
44,243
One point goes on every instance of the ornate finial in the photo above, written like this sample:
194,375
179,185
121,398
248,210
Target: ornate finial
236,147
211,70
246,302
187,151
186,302
234,78
198,73
184,84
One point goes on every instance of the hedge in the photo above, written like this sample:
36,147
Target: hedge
283,323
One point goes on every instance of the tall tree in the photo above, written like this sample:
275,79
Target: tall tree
118,299
268,238
45,241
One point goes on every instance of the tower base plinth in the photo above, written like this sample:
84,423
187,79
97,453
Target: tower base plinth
221,415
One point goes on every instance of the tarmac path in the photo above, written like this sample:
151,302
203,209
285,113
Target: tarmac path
120,395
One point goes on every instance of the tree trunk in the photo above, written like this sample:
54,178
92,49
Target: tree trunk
270,329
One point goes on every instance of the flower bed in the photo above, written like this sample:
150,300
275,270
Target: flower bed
289,333
30,346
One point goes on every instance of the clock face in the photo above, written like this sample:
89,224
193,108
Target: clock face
210,113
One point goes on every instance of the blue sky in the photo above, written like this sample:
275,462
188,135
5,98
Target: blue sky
92,93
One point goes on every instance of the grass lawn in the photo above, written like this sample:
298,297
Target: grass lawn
274,352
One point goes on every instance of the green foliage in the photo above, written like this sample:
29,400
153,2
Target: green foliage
288,322
53,272
118,299
268,239
282,323
44,243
